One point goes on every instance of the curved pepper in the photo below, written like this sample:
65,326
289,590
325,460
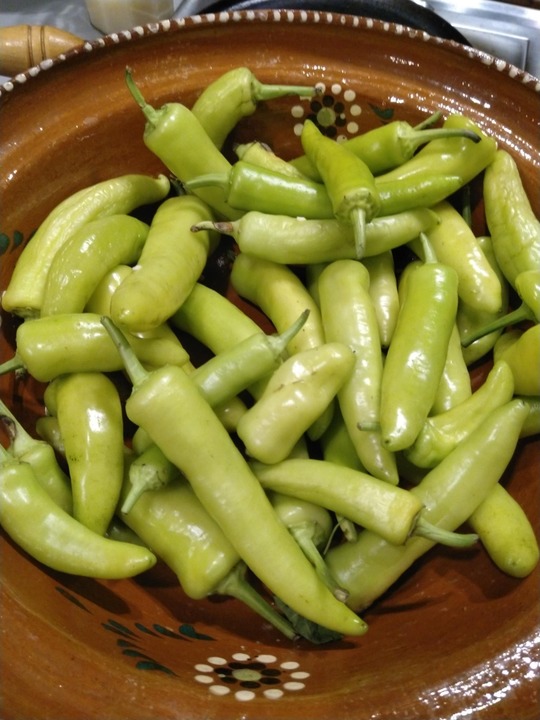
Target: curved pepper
455,245
89,414
170,263
450,493
170,408
513,226
100,303
281,295
441,433
297,394
175,135
24,294
40,455
348,317
418,351
469,320
235,95
523,356
300,241
88,255
527,284
51,536
506,533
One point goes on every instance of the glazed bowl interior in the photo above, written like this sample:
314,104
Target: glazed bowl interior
455,637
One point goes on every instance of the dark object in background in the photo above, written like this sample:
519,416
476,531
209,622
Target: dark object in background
404,12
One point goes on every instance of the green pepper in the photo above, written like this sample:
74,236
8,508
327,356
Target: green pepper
100,303
48,429
523,356
251,187
311,526
175,135
383,291
470,319
298,241
261,155
218,380
296,395
450,493
89,413
24,293
240,366
441,433
531,426
148,471
77,342
42,458
178,419
235,95
349,317
213,319
175,525
417,354
506,533
389,510
527,284
388,146
514,228
171,262
437,171
455,245
281,295
83,260
34,521
455,383
347,179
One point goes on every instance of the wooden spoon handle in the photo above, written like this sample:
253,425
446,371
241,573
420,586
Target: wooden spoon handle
23,46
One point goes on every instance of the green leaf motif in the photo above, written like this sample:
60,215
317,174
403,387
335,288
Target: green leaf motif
385,114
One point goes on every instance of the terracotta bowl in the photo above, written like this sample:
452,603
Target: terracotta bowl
455,637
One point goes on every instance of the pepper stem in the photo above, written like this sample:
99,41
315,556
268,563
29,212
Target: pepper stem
21,440
523,312
150,471
423,528
213,179
424,249
226,226
358,219
134,368
261,91
150,113
430,120
303,534
15,363
235,585
418,137
279,342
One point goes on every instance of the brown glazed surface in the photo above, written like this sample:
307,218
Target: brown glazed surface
455,638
